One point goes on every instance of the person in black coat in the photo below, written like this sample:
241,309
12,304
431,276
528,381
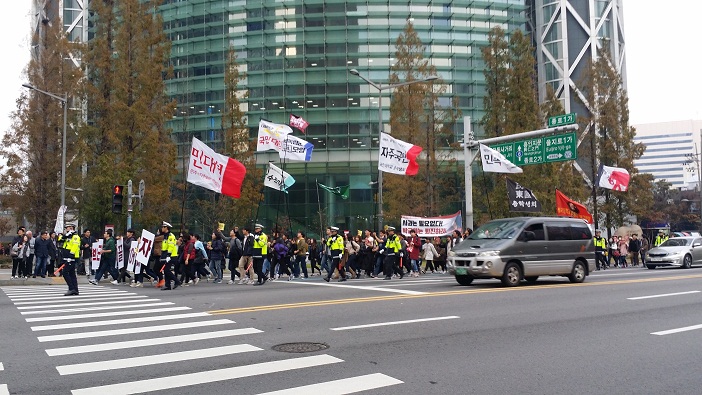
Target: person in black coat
43,250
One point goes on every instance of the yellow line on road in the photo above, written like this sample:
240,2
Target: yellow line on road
444,293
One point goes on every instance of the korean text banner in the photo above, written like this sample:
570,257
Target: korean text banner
431,226
215,172
271,135
494,162
298,122
278,179
521,199
566,207
144,248
397,156
295,148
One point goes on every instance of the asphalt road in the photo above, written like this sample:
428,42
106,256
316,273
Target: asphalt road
622,331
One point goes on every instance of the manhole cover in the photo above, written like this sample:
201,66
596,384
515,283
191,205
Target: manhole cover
300,347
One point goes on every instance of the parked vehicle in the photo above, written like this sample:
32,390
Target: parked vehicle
683,252
525,248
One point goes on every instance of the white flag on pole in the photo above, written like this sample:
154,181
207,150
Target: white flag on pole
278,179
495,162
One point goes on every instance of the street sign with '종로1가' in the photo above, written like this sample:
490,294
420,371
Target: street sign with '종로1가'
561,120
540,150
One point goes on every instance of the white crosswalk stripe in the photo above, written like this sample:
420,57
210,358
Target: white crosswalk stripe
137,304
154,359
110,314
341,387
118,322
104,307
151,342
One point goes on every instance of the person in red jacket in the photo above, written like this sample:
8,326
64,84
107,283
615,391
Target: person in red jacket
414,247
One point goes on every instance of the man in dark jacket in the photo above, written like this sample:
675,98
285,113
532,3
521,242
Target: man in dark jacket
86,245
43,250
246,260
127,245
234,255
634,248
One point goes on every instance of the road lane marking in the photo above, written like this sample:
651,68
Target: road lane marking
156,359
150,342
252,309
380,289
77,309
88,324
129,331
677,330
344,386
344,328
662,295
4,390
131,299
108,314
2,367
82,298
210,376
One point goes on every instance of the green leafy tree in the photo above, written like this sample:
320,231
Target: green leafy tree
32,147
417,118
238,145
127,109
612,144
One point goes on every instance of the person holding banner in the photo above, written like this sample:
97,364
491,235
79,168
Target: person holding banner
169,251
70,253
86,248
107,259
127,245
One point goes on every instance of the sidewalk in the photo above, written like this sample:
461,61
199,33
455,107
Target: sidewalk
6,274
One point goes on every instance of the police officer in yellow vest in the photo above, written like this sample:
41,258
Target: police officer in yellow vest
69,244
600,250
660,239
260,251
169,252
335,245
391,252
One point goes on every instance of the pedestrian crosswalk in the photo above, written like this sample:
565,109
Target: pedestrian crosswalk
105,330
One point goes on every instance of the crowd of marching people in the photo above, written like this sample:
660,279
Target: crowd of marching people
246,256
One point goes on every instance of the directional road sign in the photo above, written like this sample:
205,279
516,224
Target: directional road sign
540,150
560,120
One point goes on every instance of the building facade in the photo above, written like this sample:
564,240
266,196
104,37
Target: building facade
672,152
297,56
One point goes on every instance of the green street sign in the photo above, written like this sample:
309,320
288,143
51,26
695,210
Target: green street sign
560,120
540,150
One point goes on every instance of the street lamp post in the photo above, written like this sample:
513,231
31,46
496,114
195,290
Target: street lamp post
381,88
64,102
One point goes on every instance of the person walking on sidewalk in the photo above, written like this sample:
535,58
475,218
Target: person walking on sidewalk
70,253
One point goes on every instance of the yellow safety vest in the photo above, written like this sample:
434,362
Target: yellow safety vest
600,242
393,244
260,245
169,246
72,245
336,245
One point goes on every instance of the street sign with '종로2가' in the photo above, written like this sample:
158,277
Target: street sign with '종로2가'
540,150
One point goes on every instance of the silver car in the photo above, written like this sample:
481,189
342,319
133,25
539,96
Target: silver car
678,252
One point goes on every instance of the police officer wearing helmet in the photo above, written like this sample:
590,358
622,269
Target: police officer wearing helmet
600,250
69,244
335,245
391,252
169,251
260,250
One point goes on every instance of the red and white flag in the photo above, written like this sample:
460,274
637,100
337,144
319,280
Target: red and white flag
214,171
615,178
299,123
397,156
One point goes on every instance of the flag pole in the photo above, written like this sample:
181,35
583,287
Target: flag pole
319,209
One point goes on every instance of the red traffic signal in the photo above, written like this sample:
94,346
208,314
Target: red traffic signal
117,189
117,199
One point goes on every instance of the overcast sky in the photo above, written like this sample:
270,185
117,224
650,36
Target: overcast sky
663,58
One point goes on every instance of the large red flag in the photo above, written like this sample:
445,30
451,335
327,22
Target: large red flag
566,207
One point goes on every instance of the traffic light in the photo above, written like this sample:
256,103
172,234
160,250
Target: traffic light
117,197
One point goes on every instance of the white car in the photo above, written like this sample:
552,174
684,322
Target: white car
681,252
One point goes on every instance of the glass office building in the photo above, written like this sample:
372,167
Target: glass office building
297,56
